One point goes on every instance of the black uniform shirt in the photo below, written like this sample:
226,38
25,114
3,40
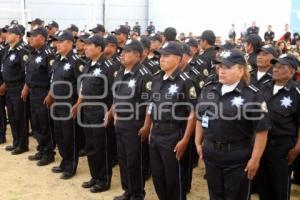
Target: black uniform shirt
131,91
152,66
264,79
38,68
208,56
176,93
284,109
233,117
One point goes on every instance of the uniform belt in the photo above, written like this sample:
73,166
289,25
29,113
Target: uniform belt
165,127
280,141
227,146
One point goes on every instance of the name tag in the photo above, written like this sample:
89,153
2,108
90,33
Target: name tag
205,121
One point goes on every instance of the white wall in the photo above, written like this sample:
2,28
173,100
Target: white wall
218,15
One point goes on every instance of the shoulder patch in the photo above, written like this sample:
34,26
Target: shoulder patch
253,88
187,76
267,81
182,77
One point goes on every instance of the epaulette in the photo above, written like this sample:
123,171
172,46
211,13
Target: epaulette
253,88
143,70
186,75
267,81
196,71
48,51
75,57
156,73
298,89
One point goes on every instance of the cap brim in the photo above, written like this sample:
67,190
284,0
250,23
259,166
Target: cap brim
279,60
166,52
224,62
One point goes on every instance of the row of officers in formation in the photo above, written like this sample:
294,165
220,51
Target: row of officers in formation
154,106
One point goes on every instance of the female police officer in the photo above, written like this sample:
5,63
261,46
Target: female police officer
230,115
283,101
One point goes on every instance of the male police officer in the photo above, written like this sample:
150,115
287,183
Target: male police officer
111,47
13,73
96,98
263,72
122,36
98,30
172,115
66,69
37,82
132,89
151,65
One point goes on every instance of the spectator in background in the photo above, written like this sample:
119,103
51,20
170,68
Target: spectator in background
151,28
127,26
296,38
286,37
232,33
253,29
269,35
282,46
244,31
181,37
137,28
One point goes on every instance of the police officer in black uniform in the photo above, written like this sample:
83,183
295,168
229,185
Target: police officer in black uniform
152,66
37,82
111,47
13,74
155,45
190,156
169,34
96,97
231,114
170,133
122,36
150,28
131,89
66,70
207,42
283,146
137,28
98,30
263,72
252,44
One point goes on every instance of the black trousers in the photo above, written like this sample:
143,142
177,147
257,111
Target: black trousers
165,168
17,115
296,170
3,120
225,173
66,139
273,177
130,151
40,119
98,154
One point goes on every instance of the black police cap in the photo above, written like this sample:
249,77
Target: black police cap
134,45
64,35
209,36
191,42
231,57
268,48
73,28
111,39
14,22
155,37
52,24
15,29
287,59
5,29
98,28
121,29
39,31
171,48
36,21
82,36
97,40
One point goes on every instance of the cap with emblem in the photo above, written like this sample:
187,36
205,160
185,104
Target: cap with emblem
5,29
268,49
209,36
64,35
231,57
134,45
22,28
52,24
171,48
14,22
15,29
192,42
36,21
111,39
98,28
121,29
39,31
170,34
286,59
97,40
155,37
73,28
82,36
